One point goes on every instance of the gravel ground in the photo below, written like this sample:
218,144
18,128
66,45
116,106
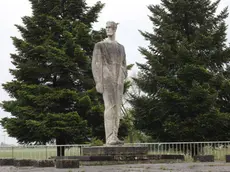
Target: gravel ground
180,167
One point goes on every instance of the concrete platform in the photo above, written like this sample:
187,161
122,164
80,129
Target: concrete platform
161,167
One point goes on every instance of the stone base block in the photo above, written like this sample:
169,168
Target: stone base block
80,158
67,163
204,158
130,157
44,163
177,157
23,162
114,150
227,157
7,162
101,158
123,157
166,157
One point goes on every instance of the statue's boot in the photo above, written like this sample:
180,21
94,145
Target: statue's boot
116,142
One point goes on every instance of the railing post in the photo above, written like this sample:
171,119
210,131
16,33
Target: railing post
46,152
80,150
12,151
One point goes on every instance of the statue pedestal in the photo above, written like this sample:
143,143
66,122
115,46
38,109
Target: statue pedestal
114,150
111,155
116,153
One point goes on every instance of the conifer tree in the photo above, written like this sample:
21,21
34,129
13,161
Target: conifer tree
185,82
53,95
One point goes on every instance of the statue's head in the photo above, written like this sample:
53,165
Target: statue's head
111,28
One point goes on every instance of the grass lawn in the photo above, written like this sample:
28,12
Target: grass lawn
35,153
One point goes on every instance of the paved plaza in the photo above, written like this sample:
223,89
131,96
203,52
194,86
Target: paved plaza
174,167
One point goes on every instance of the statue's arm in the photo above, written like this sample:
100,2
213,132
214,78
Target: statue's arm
124,64
97,65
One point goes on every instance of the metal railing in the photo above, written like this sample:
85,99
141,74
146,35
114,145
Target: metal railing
219,149
39,152
189,149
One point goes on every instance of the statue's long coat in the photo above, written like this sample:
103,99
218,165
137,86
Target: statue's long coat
109,71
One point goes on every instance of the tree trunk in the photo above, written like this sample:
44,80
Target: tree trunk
60,149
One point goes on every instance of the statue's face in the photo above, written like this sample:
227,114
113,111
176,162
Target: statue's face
110,30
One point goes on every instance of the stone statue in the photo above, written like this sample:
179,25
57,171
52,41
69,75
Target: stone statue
109,72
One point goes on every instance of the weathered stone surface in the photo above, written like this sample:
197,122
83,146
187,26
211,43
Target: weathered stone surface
101,158
67,163
80,158
44,163
23,162
125,157
111,151
166,157
109,72
204,158
227,157
7,162
179,157
130,157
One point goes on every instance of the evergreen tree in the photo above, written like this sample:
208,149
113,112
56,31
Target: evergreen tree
185,82
53,89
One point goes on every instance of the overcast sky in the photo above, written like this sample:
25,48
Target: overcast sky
131,14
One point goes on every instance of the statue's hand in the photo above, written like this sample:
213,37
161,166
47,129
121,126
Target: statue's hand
99,88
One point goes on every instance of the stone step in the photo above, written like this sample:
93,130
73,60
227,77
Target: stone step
123,157
115,150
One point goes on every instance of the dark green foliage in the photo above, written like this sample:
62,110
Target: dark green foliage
185,80
53,89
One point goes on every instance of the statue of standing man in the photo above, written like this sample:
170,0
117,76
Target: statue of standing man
109,72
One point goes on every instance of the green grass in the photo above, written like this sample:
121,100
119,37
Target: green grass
35,153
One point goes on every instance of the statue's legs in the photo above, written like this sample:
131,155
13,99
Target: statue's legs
112,102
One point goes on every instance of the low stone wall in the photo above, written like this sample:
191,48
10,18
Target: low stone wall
76,161
61,163
23,162
227,157
67,163
44,163
7,162
123,157
204,158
